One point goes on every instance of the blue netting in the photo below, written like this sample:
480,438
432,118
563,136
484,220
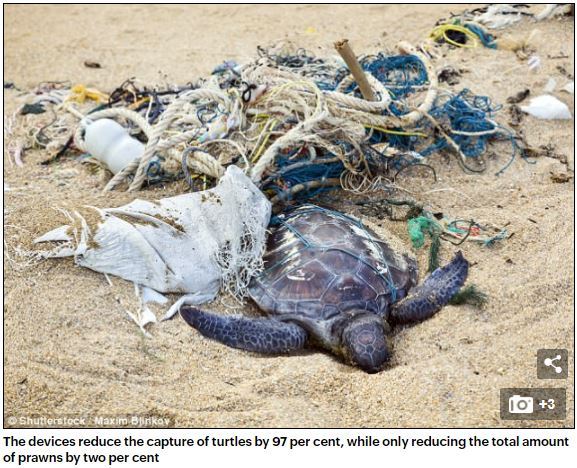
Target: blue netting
401,74
466,112
486,39
290,173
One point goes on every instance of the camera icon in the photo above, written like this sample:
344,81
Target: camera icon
520,405
546,404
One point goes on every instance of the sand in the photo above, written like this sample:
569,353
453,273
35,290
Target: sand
69,349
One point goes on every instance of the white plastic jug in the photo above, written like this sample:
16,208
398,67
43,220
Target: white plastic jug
110,143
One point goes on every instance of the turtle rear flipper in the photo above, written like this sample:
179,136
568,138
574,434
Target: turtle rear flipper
266,336
431,295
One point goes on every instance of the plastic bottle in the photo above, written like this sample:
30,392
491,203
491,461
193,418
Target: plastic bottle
110,143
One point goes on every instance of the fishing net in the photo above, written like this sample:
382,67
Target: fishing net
294,122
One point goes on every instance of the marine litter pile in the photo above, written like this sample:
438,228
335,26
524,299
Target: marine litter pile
289,125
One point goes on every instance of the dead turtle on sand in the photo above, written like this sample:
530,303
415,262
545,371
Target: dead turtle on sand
329,281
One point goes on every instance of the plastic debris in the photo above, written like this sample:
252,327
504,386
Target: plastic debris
193,243
499,16
569,87
110,143
553,9
534,62
547,107
296,121
550,86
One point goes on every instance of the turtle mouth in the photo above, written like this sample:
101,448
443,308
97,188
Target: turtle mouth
365,343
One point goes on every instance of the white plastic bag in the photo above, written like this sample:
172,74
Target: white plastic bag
547,107
193,243
499,16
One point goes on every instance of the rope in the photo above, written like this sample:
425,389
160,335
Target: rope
442,33
298,134
284,110
167,117
154,133
202,162
330,104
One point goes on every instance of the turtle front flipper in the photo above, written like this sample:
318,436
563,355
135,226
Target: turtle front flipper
430,296
267,336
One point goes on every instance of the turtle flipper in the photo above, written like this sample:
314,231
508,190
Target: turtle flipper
267,336
431,295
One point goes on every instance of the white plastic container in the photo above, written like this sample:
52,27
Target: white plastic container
110,143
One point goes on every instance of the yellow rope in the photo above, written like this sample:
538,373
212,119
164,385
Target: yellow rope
261,116
440,32
268,130
396,132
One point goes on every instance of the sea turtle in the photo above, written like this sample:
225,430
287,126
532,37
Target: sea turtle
329,281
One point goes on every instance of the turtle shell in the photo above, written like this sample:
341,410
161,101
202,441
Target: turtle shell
320,263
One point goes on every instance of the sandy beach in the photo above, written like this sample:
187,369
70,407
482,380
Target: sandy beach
68,347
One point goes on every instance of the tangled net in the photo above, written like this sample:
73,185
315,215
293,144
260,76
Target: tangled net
296,123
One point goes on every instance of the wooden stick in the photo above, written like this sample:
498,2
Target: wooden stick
345,51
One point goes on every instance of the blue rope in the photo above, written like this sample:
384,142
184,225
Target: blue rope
486,39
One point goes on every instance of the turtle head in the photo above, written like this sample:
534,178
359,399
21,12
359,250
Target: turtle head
364,342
